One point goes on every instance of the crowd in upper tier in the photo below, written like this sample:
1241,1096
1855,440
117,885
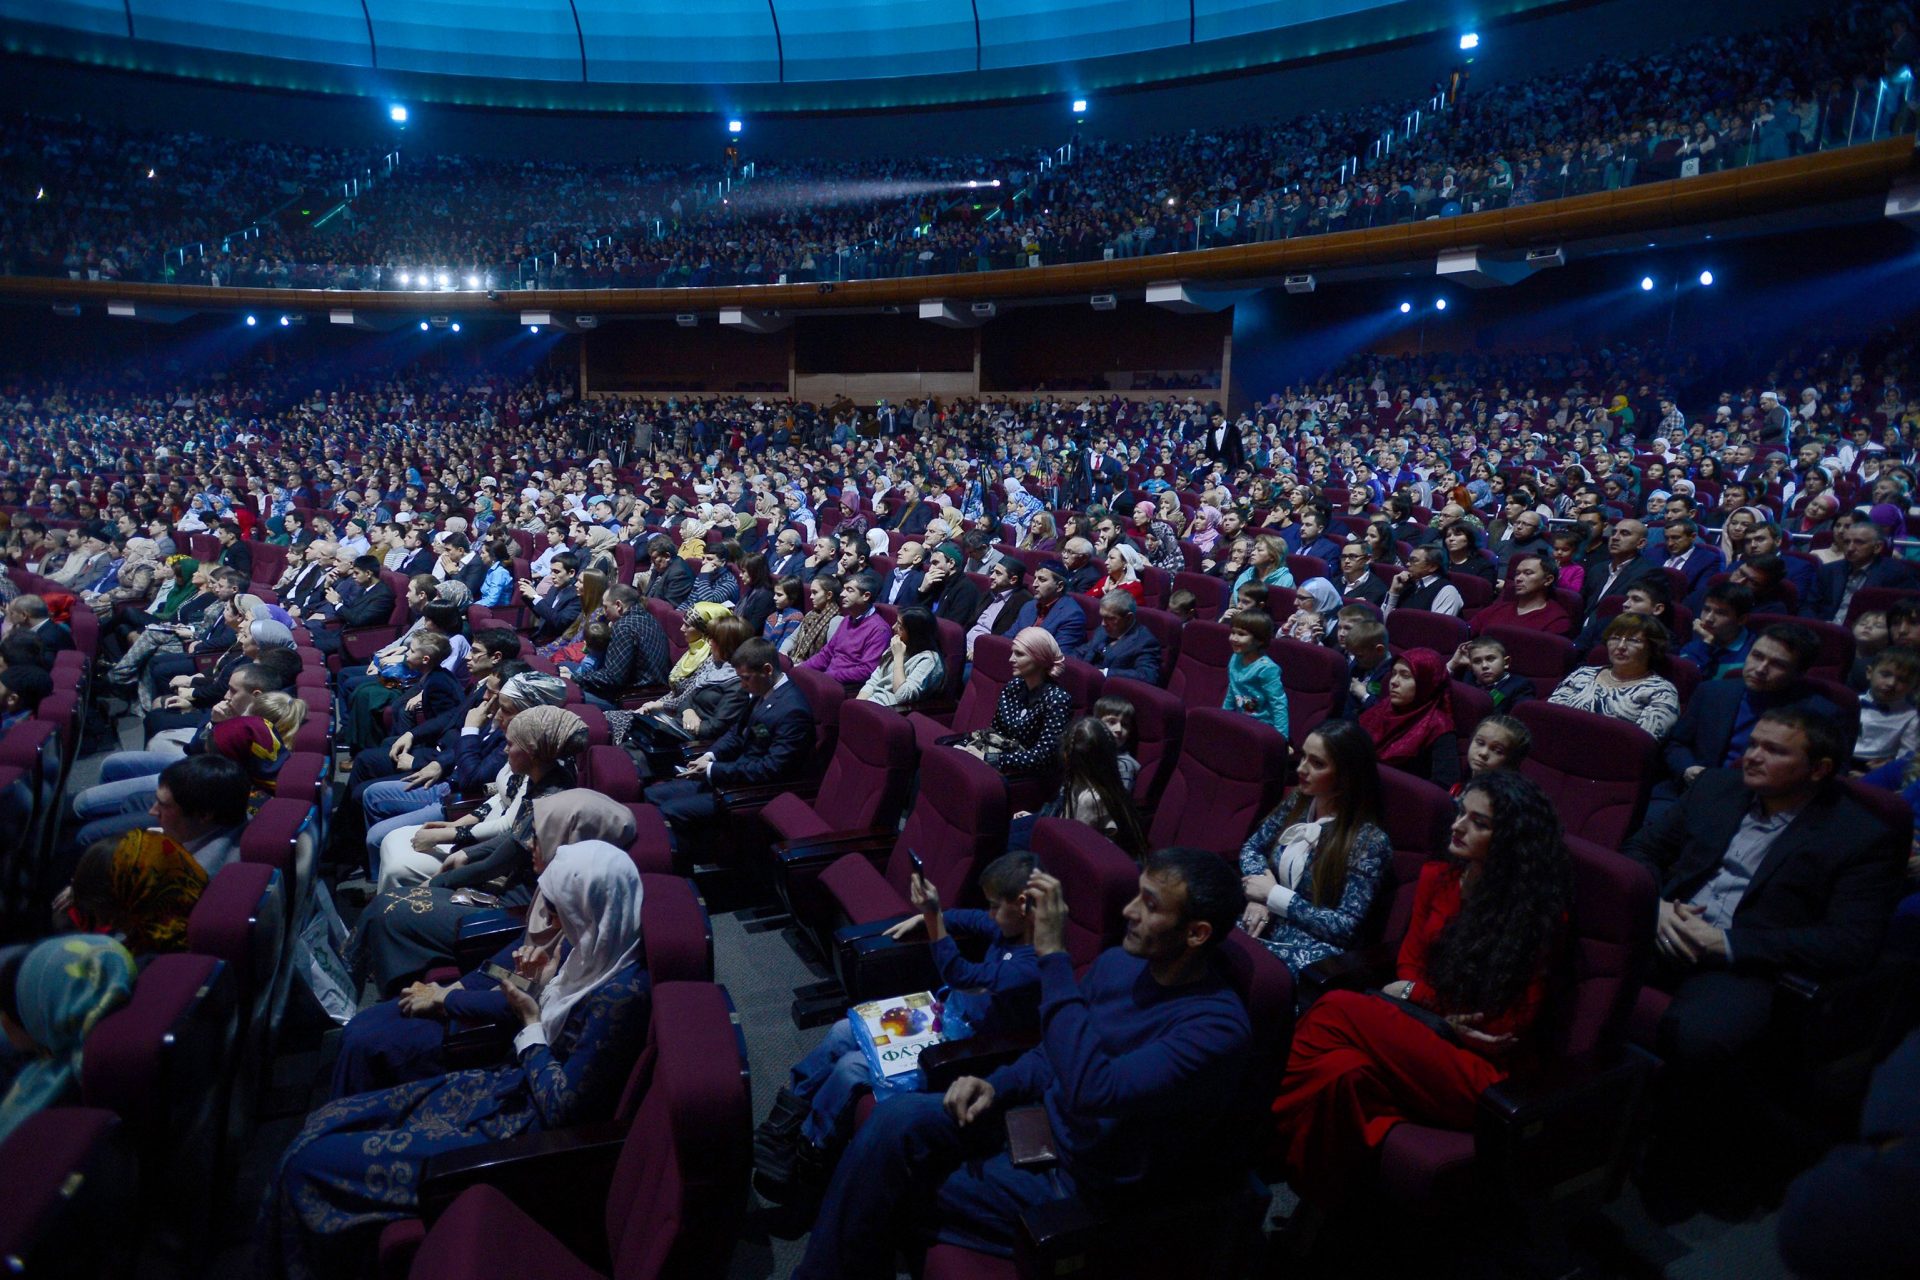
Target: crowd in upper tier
89,202
1711,577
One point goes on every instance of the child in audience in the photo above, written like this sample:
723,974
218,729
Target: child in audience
1870,638
1483,663
1361,635
1498,742
812,1117
1251,596
1254,686
1092,791
1566,550
1889,723
597,636
1183,604
1117,714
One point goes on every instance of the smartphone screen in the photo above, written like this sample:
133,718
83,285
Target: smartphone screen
500,973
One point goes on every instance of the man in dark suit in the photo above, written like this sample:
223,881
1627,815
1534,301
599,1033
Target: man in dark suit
671,579
1313,540
560,606
1103,473
1625,565
234,554
419,555
787,560
1767,539
1006,596
1122,648
769,746
902,585
1355,579
1051,607
1719,718
1683,552
1864,565
1223,444
370,606
1764,869
29,614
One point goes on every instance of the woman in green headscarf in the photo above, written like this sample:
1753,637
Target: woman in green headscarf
174,590
50,999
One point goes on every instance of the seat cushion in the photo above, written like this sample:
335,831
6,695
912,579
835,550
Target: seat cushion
1643,1024
41,1156
792,818
861,892
1426,1167
951,1262
652,847
484,1234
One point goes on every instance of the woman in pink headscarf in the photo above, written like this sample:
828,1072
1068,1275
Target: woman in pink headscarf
1031,715
1204,530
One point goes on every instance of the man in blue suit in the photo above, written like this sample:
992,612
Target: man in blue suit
769,746
1865,565
1123,648
1053,609
1683,552
1713,730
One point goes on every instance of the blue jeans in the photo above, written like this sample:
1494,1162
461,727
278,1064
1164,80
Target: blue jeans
390,804
830,1076
912,1160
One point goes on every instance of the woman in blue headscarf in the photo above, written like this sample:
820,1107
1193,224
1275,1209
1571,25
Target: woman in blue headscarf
53,995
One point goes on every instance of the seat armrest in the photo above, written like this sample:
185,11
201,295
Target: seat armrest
484,933
836,844
852,933
797,868
542,1173
1561,1134
1844,1021
872,966
980,1055
476,1043
741,799
1348,971
454,810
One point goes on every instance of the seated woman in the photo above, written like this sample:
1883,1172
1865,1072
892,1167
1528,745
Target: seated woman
571,644
1124,562
702,705
1254,685
498,588
410,929
139,888
1412,726
1267,563
1030,716
404,1038
911,668
1532,606
1312,869
789,607
52,994
176,601
1315,601
821,620
1465,553
1470,980
1092,791
356,1163
1627,688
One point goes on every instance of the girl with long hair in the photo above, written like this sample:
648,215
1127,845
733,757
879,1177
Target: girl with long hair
1469,984
1091,791
1312,869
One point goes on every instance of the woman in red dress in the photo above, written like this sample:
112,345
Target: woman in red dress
1471,977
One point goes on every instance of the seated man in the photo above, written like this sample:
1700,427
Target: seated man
557,609
1132,1071
1712,732
1764,869
201,801
28,614
1650,597
369,607
22,689
853,650
1051,608
637,653
1864,563
1423,585
1721,636
1122,647
769,746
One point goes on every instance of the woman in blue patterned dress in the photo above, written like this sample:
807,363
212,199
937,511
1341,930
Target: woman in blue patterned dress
1312,869
356,1164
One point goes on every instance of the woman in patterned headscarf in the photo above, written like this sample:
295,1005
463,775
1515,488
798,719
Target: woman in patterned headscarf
141,888
54,995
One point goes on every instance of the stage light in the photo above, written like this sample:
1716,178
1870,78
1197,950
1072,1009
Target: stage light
733,126
533,328
473,282
1470,40
1439,304
397,113
406,278
1706,277
40,193
1079,106
456,326
423,326
285,321
251,321
1646,284
445,280
150,174
1405,307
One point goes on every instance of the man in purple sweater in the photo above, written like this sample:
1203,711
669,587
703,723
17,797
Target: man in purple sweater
852,652
1134,1067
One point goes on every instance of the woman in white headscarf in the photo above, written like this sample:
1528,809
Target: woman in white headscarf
1019,508
581,1023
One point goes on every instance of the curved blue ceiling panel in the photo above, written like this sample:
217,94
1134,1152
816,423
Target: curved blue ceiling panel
1018,33
657,42
822,38
1223,19
98,17
519,39
313,30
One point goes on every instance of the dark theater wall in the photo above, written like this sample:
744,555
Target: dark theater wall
1074,347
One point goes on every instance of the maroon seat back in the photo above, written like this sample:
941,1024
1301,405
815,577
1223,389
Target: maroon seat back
1097,880
70,1182
1157,584
1315,677
1596,770
824,698
1209,594
1232,769
1835,658
953,657
679,1190
284,834
241,918
1159,724
957,825
1302,568
867,781
992,668
1200,676
1540,657
610,771
674,930
1084,684
1604,954
1421,629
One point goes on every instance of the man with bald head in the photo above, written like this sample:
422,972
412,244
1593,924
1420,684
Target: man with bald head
902,586
1626,564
